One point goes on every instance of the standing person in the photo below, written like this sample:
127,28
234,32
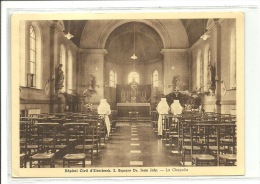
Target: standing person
104,110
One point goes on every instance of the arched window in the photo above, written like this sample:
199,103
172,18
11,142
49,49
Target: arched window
32,65
199,67
201,72
64,67
155,78
133,76
70,71
111,78
233,59
115,79
205,68
34,71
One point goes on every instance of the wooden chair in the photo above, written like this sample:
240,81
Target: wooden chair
113,120
82,131
28,145
165,127
154,119
190,143
173,133
102,131
79,129
46,137
93,136
22,160
60,142
204,158
228,159
227,138
23,142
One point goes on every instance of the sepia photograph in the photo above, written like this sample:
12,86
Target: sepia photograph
138,94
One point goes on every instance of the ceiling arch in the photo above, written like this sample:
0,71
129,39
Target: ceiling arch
152,23
121,43
175,33
171,31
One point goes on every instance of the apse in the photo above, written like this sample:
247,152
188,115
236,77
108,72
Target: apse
121,42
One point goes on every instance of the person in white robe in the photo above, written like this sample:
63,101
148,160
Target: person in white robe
104,110
162,109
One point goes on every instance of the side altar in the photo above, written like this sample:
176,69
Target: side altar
133,97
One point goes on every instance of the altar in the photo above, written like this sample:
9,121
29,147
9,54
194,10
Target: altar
143,109
133,97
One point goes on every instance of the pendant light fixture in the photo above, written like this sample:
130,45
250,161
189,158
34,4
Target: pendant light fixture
205,36
134,57
68,35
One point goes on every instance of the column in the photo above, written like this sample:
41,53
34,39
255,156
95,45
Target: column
53,37
216,61
92,63
175,63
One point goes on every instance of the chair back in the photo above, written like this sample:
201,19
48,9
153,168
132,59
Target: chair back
25,134
79,130
46,135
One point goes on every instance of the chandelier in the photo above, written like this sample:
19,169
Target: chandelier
134,57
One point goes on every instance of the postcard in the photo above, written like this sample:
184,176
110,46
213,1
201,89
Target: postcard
127,94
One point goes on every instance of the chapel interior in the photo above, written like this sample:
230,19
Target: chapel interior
127,93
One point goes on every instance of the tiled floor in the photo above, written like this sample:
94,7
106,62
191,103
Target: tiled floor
136,146
133,146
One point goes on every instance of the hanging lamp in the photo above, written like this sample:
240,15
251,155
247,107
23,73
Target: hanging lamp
68,35
134,57
205,36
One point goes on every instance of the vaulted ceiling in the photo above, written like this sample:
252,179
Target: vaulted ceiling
194,29
131,36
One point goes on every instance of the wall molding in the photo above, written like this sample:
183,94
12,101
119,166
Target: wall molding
93,51
221,20
173,50
198,42
29,101
228,102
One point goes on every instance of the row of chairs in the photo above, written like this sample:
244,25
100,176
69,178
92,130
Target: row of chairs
203,139
52,138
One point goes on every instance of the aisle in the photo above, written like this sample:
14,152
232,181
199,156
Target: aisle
136,146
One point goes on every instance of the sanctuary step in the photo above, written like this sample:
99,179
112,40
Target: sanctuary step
126,119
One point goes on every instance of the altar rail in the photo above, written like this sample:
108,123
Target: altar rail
123,109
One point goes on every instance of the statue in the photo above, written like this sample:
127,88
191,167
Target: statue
211,77
134,90
123,96
92,84
91,87
176,83
90,90
59,78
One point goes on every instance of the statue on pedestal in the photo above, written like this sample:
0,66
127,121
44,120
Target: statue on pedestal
211,78
59,78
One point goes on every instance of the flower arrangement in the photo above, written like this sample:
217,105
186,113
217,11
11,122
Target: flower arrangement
187,99
88,106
